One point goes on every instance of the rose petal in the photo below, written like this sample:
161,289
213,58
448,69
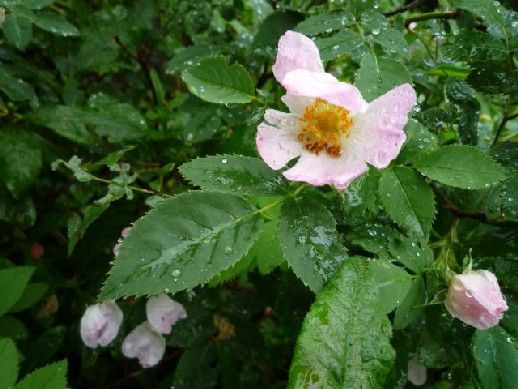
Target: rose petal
296,104
302,82
296,51
145,344
323,169
378,132
100,324
276,141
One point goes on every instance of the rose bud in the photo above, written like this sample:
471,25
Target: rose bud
100,324
475,298
416,372
163,312
145,344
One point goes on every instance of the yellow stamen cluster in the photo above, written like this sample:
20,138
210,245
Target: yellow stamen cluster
322,126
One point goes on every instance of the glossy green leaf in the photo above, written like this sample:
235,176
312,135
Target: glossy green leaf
9,365
378,75
273,26
391,39
52,376
419,140
32,293
408,199
17,30
54,23
12,284
325,22
412,305
234,173
15,88
345,42
345,337
309,241
216,82
393,283
461,166
181,243
496,358
20,160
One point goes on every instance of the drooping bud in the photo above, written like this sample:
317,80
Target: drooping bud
475,298
100,324
163,312
416,372
145,344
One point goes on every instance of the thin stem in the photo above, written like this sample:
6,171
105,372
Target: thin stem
431,15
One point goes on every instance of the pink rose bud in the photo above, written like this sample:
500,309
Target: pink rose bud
100,324
416,372
145,344
163,312
475,298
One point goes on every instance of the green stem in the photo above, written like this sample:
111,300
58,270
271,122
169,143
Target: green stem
431,15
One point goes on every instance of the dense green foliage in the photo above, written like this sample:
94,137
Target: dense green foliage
116,113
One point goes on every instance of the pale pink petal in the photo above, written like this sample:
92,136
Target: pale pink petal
100,324
163,312
378,133
475,298
416,372
323,169
296,104
276,139
296,51
145,344
301,82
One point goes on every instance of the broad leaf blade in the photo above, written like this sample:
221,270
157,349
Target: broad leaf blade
234,173
9,365
17,30
12,284
54,23
408,199
52,376
461,166
183,242
345,337
309,241
496,357
216,82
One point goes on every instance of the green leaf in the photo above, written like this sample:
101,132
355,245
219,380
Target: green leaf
419,140
474,47
117,122
77,225
183,242
414,254
12,284
17,30
408,199
11,327
496,357
325,22
273,27
412,305
390,39
52,376
460,93
309,241
186,57
9,365
345,42
20,160
216,82
54,23
393,283
345,337
378,75
33,293
234,173
460,166
15,88
37,4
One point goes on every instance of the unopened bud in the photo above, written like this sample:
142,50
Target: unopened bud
145,344
475,298
416,372
100,324
163,312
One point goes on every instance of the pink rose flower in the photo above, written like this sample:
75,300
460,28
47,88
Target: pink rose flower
416,372
475,298
163,312
100,324
145,344
332,130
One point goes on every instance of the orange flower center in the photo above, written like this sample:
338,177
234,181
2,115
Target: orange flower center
322,125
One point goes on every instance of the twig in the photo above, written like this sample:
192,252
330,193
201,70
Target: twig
404,8
502,126
431,15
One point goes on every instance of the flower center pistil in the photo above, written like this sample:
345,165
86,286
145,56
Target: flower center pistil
322,126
